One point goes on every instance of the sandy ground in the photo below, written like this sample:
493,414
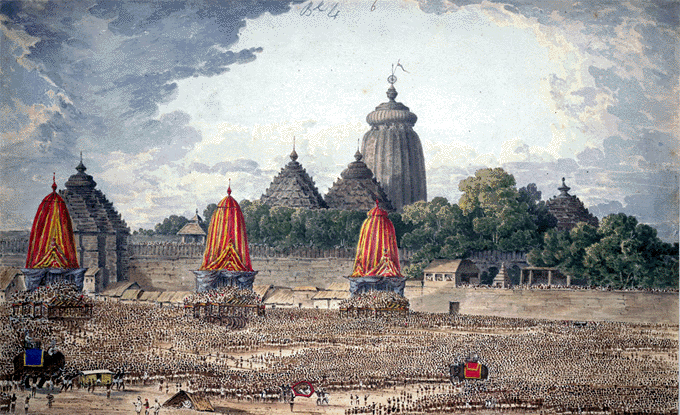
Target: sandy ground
81,402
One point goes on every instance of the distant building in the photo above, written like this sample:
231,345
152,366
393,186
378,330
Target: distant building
393,152
193,232
11,281
101,235
458,271
293,188
357,189
569,210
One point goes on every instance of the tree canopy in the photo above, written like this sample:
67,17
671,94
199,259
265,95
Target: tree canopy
621,253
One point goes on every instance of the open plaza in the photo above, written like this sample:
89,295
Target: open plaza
393,363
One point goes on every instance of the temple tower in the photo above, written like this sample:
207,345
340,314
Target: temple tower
101,234
293,188
569,210
393,152
357,189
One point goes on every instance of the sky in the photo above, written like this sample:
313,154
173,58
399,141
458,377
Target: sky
169,100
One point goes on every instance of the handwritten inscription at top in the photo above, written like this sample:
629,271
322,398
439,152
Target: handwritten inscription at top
311,9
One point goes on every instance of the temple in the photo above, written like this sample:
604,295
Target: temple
569,210
101,235
357,189
293,188
226,261
51,249
393,152
376,267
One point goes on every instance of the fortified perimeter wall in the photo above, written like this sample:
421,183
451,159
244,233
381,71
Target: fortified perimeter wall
554,304
169,266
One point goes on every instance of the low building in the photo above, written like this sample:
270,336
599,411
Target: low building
92,282
302,295
131,295
329,299
115,291
546,276
11,281
456,271
282,297
193,232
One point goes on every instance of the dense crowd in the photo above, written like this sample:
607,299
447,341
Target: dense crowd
532,363
59,291
376,300
224,295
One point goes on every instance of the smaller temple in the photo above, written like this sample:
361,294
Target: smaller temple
293,188
376,267
193,232
52,254
502,279
569,210
226,261
357,189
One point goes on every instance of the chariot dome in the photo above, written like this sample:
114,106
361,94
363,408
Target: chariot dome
376,266
226,260
51,248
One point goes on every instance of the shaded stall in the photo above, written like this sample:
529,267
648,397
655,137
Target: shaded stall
188,400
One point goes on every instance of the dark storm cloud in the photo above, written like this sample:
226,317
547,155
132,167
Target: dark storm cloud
118,75
92,73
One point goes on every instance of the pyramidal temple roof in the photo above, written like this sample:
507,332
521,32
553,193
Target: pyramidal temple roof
357,189
569,210
90,210
293,188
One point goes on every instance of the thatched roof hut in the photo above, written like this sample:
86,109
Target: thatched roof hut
184,399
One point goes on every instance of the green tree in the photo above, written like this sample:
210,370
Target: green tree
144,232
621,253
253,212
538,209
208,213
629,254
500,213
171,225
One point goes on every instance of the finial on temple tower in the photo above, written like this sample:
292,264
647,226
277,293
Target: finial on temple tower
294,155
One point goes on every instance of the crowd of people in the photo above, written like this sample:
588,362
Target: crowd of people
376,300
58,291
224,295
548,365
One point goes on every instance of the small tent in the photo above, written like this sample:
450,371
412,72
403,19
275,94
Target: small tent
188,400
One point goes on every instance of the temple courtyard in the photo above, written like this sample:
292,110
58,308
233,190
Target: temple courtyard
535,366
